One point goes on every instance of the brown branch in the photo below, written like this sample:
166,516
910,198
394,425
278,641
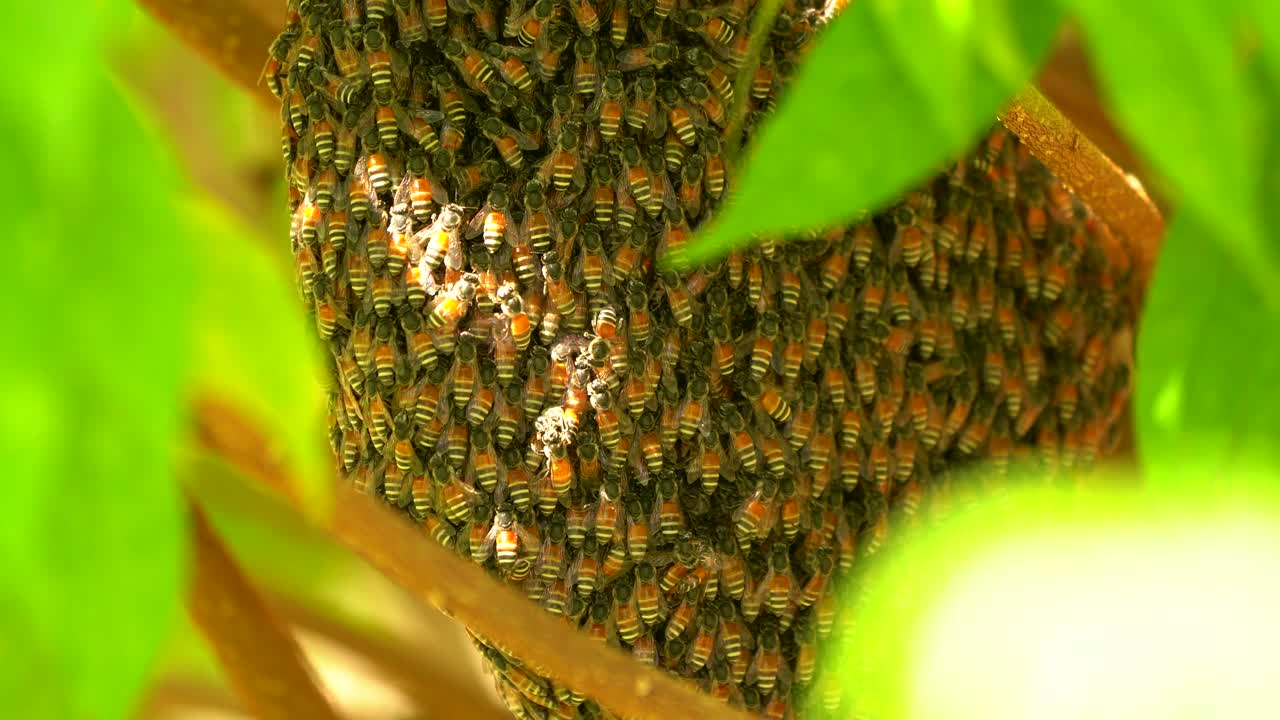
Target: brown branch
258,655
176,697
233,35
1068,80
460,589
1116,197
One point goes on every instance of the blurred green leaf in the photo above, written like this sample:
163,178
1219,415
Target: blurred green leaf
1178,80
888,93
254,347
95,307
1208,351
1210,363
1102,601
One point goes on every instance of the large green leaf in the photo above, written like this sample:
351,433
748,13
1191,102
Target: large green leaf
1178,78
254,348
890,91
95,312
1209,354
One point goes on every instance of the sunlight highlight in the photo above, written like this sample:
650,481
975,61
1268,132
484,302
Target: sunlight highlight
1137,608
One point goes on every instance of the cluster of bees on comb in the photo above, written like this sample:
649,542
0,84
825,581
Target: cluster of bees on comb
681,464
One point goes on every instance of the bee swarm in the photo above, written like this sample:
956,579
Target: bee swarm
679,464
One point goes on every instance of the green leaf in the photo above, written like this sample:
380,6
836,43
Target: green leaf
889,92
1178,80
1210,364
254,347
1207,350
95,303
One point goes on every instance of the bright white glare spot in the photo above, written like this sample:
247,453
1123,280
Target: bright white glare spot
350,682
1105,620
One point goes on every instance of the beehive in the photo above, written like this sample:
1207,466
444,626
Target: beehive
678,464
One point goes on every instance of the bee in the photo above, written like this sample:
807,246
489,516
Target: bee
586,71
649,600
586,568
763,671
639,113
597,627
491,221
626,616
527,26
385,65
551,558
559,469
655,56
558,290
451,306
754,518
425,193
701,96
714,175
512,65
563,169
473,66
667,516
509,142
516,479
604,518
716,75
509,539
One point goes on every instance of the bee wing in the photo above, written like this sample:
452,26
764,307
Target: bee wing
633,59
439,193
524,139
516,17
579,179
476,225
546,170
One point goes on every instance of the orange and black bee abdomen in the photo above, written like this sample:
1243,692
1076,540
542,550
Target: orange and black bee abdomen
684,465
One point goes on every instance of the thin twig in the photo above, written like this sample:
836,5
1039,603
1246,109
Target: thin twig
233,35
1116,197
258,655
460,589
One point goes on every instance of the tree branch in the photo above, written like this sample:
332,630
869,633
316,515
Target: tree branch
433,575
170,697
258,655
1116,197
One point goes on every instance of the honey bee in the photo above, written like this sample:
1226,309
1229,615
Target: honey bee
508,538
649,600
763,671
655,56
609,107
586,568
667,517
626,616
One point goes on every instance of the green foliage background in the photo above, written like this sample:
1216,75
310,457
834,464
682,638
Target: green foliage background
126,295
